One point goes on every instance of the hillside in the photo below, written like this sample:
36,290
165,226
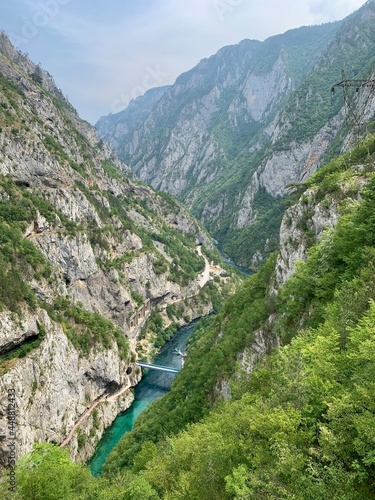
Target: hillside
121,126
298,422
233,132
87,257
276,398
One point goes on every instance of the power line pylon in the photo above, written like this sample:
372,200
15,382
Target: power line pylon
356,105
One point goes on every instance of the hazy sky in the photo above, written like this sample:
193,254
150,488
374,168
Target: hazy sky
103,53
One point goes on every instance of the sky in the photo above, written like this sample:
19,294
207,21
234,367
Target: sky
102,54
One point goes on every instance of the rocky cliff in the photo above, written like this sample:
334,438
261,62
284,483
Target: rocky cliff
119,127
86,256
230,135
319,284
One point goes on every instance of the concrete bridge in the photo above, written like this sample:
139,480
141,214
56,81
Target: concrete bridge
167,369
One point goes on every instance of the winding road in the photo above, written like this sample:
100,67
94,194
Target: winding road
205,276
89,410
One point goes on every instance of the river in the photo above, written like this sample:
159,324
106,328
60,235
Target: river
153,385
229,261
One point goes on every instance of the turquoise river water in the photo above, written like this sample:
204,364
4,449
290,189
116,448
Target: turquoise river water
153,385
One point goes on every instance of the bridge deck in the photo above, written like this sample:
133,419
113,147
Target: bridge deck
167,369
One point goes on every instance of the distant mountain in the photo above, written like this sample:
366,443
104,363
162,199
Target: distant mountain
233,132
120,126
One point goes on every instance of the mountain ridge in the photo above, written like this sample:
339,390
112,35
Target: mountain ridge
234,131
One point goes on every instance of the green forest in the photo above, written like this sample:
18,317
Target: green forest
302,424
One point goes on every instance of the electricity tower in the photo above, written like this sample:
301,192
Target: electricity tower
356,104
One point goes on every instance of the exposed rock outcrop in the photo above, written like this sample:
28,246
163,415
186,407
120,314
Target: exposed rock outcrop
55,384
78,236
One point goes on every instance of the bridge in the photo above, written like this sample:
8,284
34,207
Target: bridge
167,369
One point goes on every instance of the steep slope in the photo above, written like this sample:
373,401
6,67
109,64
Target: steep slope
119,127
232,133
298,420
86,256
228,94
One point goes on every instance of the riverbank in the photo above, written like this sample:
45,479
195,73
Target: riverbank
229,261
156,323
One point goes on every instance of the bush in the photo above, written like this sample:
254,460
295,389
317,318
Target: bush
86,329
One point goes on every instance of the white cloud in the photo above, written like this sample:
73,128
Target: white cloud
334,9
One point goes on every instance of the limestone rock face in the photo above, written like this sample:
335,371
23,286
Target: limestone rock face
190,149
83,231
308,221
294,242
54,386
247,214
127,121
305,223
13,334
263,344
230,135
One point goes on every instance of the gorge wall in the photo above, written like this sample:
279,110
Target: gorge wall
232,133
82,247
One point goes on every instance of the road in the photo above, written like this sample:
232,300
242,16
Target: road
85,414
205,276
202,280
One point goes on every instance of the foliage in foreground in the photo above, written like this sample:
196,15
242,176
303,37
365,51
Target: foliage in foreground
305,430
212,356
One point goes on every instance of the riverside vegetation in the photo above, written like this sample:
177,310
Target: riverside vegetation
301,425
